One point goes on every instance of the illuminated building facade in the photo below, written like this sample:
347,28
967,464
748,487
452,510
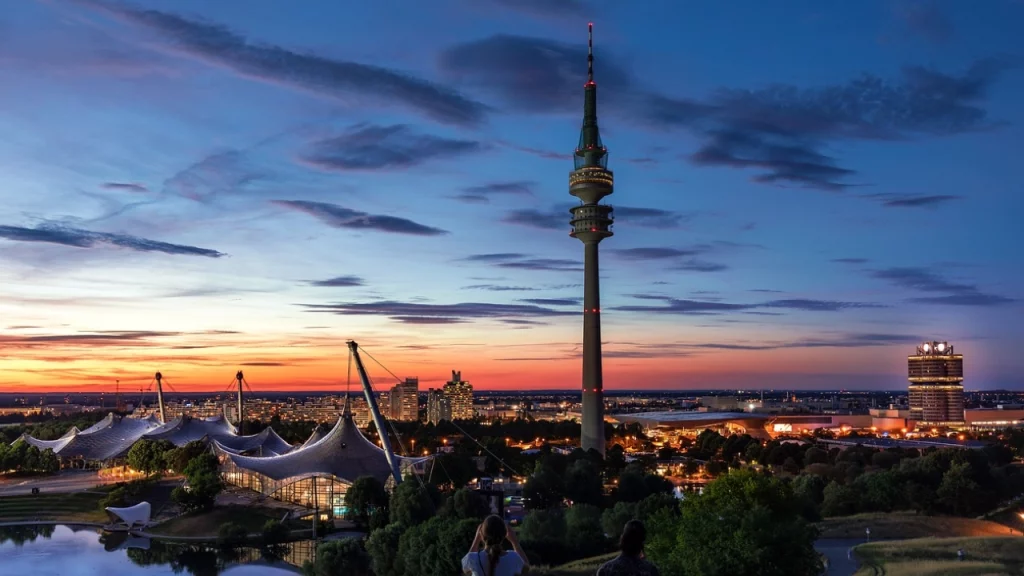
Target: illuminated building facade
460,397
405,400
936,391
439,406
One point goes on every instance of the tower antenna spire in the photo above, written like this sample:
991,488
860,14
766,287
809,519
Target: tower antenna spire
590,52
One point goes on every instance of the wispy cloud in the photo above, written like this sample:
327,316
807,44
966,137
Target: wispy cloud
419,313
340,282
372,147
78,238
699,307
337,79
557,217
124,187
951,292
499,288
552,301
925,19
341,217
482,194
544,8
911,200
850,260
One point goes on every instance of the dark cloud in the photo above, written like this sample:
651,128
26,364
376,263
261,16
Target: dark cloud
550,220
124,186
24,327
780,131
703,307
925,19
78,238
522,322
650,217
338,79
552,301
372,147
340,282
544,264
951,292
499,288
519,261
912,201
482,194
545,154
531,74
418,313
340,217
850,260
557,218
110,338
780,158
428,320
695,265
685,259
265,364
494,257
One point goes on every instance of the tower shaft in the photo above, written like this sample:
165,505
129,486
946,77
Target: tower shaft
591,222
593,384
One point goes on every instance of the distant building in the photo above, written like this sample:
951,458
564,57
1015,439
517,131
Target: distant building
936,377
405,400
439,406
460,396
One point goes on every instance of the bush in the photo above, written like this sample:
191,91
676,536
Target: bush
613,519
274,533
116,498
231,535
345,557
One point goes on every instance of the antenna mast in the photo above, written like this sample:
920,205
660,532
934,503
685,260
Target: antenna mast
378,420
160,396
241,409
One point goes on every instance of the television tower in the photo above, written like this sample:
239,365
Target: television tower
590,181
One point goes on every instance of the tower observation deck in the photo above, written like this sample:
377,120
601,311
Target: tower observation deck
590,181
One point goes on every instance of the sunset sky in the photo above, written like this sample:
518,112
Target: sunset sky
804,191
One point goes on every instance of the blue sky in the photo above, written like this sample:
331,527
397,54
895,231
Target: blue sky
803,190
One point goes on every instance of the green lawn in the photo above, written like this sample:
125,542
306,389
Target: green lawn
206,524
904,525
75,507
938,557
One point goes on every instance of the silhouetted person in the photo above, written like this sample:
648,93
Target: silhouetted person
630,561
492,560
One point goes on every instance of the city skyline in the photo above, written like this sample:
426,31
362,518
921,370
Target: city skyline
210,189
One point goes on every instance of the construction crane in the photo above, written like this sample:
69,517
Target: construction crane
378,420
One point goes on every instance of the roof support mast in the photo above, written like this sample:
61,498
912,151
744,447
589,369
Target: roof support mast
160,396
378,420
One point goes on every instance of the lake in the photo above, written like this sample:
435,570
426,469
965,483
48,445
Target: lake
76,551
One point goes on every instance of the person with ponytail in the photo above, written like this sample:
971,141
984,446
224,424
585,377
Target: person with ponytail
487,556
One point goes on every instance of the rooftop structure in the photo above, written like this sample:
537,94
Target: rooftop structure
337,459
936,389
590,181
459,394
106,440
111,438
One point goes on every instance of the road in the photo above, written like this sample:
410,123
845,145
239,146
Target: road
838,553
69,481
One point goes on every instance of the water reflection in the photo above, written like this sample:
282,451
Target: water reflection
66,550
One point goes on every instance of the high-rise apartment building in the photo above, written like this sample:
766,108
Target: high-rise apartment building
439,406
405,400
936,377
460,397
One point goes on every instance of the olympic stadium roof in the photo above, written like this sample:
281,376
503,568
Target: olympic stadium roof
185,429
343,453
316,436
107,439
113,436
